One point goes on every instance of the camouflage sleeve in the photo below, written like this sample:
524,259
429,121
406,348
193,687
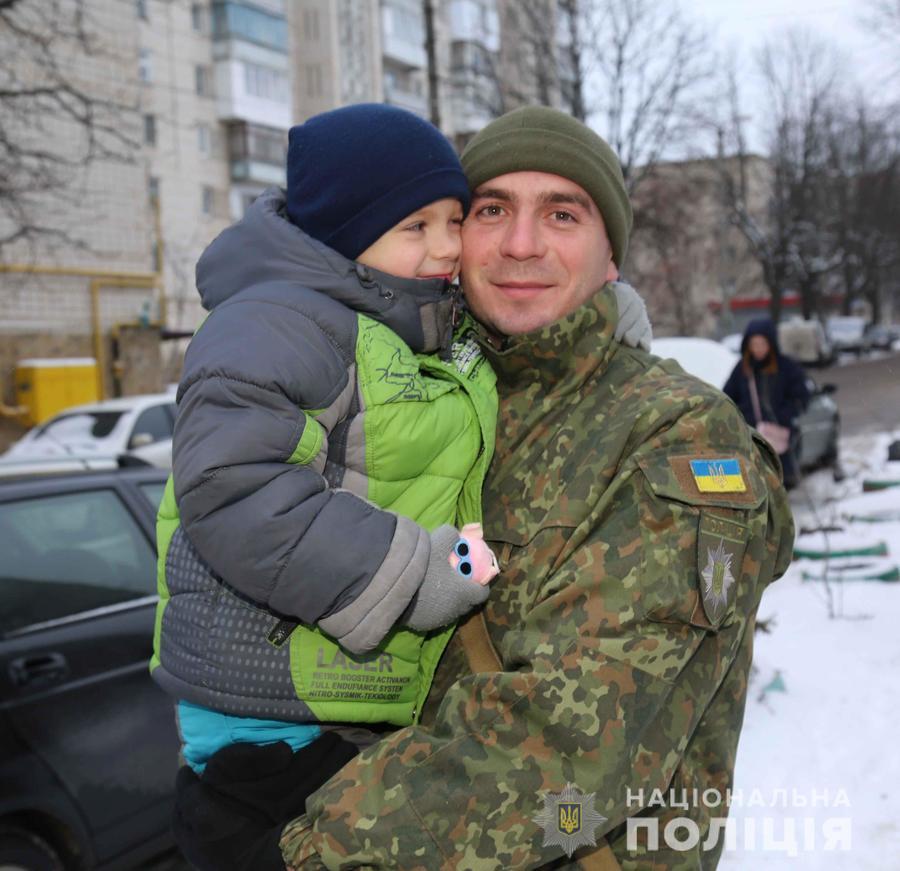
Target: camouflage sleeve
638,615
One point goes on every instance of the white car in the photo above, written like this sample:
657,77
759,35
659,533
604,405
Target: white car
849,333
130,430
712,362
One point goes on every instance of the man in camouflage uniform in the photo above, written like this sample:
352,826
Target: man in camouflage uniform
637,521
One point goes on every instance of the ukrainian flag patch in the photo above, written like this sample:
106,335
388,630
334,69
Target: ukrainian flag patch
718,476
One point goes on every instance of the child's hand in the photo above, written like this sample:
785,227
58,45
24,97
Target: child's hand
472,558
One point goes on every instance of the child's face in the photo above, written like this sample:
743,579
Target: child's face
425,244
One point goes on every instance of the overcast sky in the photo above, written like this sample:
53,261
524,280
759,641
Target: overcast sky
743,25
747,23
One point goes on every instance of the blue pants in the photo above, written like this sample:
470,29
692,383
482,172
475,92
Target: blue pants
204,731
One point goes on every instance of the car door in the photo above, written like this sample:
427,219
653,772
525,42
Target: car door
78,582
816,426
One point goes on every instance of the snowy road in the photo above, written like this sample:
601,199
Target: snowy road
868,394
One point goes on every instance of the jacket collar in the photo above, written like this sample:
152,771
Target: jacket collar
559,358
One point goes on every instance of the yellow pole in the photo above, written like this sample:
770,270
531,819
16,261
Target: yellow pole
99,346
101,278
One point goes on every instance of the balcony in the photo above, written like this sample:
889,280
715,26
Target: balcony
403,33
247,23
475,21
406,90
252,74
253,85
406,100
257,154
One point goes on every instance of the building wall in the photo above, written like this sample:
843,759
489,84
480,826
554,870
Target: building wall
189,160
685,257
172,191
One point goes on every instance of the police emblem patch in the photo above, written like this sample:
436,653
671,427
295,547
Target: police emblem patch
569,819
718,579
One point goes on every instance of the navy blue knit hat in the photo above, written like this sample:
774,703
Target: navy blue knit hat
353,173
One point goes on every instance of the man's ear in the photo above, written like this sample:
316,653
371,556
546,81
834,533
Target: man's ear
612,271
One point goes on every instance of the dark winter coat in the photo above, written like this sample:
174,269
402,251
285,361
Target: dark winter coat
780,381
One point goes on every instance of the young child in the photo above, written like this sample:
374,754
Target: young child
332,438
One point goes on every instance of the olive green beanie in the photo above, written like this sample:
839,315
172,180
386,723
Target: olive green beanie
539,139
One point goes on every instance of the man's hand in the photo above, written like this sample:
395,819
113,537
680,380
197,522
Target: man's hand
296,845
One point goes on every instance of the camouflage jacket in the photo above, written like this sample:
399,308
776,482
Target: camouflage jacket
623,618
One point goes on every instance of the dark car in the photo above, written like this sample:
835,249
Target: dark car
88,745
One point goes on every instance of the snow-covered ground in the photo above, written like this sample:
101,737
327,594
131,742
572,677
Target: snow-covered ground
819,761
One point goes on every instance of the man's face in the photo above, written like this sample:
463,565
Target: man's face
534,249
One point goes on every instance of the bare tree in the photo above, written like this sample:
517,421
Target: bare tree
792,238
648,66
882,19
52,126
863,191
631,68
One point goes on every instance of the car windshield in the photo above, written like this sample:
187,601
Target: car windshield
80,425
846,328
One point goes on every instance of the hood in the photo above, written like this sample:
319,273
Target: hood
265,246
761,327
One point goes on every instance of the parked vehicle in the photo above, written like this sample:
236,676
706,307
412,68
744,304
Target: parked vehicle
848,333
88,744
96,436
818,426
882,337
733,342
806,342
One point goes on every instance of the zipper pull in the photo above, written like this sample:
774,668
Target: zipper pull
446,351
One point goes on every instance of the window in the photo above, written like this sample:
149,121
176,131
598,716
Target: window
145,65
313,80
153,492
68,553
142,9
208,196
404,23
204,139
153,190
203,81
265,82
311,25
79,426
149,130
156,422
259,144
198,17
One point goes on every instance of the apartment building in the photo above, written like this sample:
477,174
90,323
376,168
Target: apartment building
208,90
204,90
354,51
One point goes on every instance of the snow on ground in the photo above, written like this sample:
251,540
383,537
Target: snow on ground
833,730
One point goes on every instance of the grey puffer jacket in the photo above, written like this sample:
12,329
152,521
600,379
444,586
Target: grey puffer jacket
319,440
